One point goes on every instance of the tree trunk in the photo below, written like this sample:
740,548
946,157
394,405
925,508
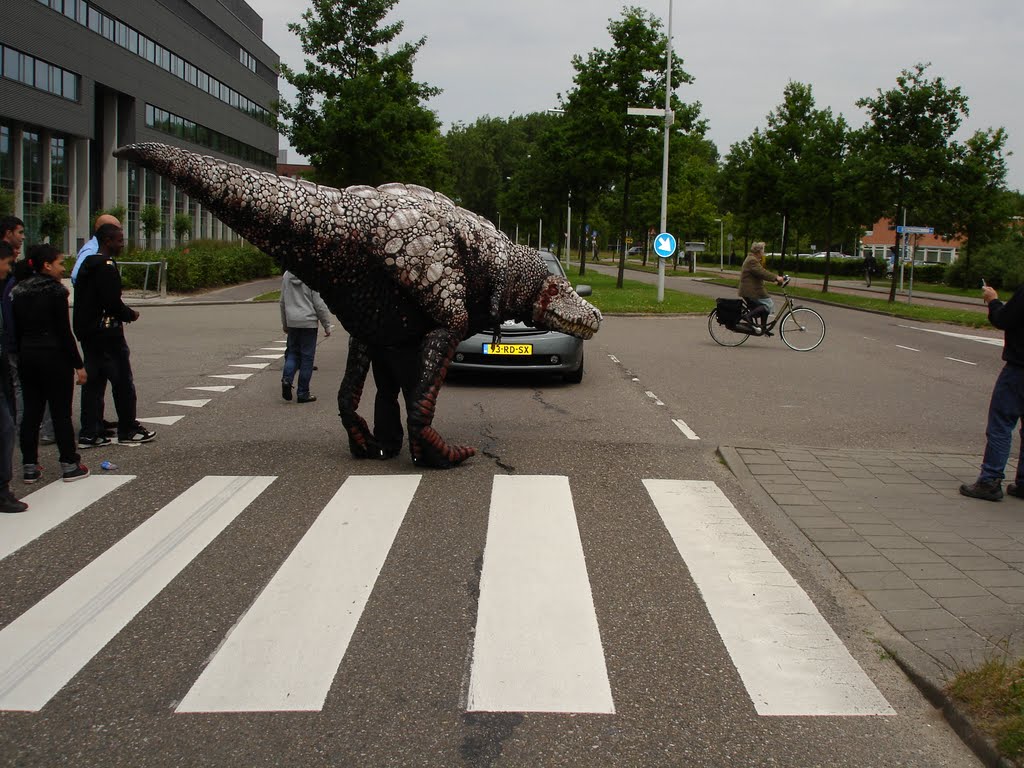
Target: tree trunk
828,246
625,223
896,258
583,240
782,248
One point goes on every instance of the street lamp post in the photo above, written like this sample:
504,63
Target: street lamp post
721,246
669,116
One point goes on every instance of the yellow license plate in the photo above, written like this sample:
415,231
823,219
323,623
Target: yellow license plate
508,349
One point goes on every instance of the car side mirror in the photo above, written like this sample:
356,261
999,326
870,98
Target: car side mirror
584,290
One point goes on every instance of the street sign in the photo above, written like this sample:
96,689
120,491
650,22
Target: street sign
629,241
915,230
665,245
692,247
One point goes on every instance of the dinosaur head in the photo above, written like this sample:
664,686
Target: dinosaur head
557,307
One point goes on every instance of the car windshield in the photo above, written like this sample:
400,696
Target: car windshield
554,266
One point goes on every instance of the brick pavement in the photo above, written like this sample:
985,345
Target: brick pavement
945,571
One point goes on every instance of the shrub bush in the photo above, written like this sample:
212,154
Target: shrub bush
204,264
1000,264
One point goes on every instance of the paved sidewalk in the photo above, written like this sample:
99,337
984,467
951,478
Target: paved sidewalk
945,571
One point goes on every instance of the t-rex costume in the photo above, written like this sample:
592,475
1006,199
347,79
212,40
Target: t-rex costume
399,265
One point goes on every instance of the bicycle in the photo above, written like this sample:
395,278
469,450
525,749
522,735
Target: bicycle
801,328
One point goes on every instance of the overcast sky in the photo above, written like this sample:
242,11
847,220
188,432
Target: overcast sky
506,57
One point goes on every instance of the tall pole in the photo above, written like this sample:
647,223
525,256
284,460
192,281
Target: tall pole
721,248
540,233
669,118
568,231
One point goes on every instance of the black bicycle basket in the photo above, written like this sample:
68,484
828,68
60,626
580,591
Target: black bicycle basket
729,311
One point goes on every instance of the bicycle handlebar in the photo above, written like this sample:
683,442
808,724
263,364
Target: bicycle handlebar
785,280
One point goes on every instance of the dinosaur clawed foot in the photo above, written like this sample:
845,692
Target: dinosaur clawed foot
431,451
361,442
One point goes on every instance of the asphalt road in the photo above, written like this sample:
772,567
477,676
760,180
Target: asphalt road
400,693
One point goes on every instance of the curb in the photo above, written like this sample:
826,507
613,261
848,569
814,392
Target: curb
923,671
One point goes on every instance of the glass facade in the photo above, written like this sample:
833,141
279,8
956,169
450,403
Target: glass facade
119,33
32,182
175,125
60,188
38,74
6,158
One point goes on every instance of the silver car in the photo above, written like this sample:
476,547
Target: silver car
532,349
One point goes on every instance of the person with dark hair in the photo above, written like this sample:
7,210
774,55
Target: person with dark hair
99,318
8,503
49,361
12,232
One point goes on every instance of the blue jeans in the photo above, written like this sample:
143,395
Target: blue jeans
298,355
1004,411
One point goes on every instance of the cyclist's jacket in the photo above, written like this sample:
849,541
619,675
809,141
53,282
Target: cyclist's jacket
752,277
1009,318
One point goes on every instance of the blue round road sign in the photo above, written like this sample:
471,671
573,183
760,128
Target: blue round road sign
664,245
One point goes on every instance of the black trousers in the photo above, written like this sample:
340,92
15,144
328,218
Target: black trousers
107,360
45,381
395,369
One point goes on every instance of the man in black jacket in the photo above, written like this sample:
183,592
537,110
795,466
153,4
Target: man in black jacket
99,317
1007,405
7,501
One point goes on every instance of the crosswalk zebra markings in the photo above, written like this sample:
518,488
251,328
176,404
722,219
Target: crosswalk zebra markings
248,365
537,646
789,658
45,647
52,505
273,349
266,357
236,376
186,403
214,388
284,652
165,420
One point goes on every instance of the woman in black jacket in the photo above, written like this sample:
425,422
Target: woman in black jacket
47,356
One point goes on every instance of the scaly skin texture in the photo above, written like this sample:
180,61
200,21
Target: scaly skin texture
399,265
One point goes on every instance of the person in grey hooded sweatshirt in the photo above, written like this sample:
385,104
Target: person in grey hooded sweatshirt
301,310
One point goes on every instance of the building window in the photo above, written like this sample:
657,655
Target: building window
247,59
58,170
162,120
38,73
32,182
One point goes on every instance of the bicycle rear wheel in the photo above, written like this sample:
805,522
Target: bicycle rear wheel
802,329
723,335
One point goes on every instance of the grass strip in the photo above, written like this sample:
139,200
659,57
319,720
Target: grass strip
993,694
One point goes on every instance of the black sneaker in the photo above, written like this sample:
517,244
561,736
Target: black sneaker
92,442
306,399
10,505
286,390
1016,489
47,440
989,490
72,472
139,435
32,473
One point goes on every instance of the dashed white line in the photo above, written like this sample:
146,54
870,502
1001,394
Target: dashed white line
685,429
911,349
654,397
614,359
970,337
958,360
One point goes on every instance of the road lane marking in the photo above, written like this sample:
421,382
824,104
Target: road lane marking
614,359
654,397
45,647
958,360
215,388
685,429
248,365
537,646
969,337
789,658
273,349
52,505
165,420
911,349
236,376
284,653
265,357
186,403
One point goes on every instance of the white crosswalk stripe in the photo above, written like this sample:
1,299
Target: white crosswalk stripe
537,645
46,646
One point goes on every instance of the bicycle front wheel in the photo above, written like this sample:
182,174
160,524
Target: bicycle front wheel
802,329
723,335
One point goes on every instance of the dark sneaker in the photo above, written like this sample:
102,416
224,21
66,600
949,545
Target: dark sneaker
306,399
1016,489
989,490
10,505
92,442
72,472
139,435
47,440
286,390
32,473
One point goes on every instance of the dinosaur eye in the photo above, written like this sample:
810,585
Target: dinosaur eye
553,290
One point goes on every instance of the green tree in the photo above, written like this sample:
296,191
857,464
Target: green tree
609,145
152,221
359,114
6,202
907,146
53,222
182,226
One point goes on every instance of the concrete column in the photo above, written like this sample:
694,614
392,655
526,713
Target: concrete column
18,144
112,183
44,143
82,229
158,238
218,229
172,239
197,222
208,223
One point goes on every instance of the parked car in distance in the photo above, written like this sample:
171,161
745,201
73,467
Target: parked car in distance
835,255
525,348
636,250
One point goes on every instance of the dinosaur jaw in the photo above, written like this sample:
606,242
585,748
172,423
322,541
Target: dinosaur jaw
560,308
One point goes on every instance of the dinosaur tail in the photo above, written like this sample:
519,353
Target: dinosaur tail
262,207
